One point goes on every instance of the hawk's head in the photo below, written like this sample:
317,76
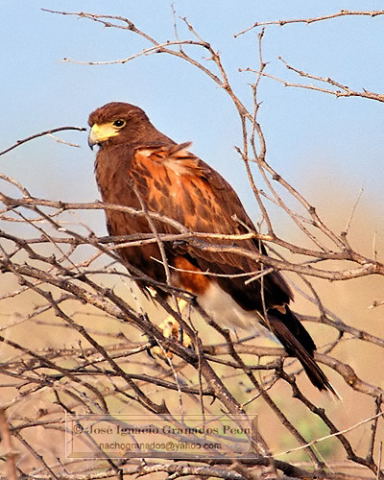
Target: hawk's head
116,123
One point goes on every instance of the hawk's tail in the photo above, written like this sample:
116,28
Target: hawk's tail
298,343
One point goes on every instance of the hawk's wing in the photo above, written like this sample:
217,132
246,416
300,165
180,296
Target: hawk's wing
181,186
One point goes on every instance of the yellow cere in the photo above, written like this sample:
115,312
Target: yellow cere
100,133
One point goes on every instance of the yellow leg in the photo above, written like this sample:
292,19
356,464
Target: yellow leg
171,329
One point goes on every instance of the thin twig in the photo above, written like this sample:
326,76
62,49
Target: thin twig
41,134
342,13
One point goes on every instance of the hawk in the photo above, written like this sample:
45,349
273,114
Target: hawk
140,167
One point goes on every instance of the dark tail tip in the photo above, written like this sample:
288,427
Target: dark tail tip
298,343
317,376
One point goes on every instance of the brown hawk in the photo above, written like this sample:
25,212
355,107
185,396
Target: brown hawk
137,165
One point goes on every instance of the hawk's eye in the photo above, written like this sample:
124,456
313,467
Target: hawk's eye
119,123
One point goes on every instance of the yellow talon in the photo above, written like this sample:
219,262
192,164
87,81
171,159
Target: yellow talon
171,329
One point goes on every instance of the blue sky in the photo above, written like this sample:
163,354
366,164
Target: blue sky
313,139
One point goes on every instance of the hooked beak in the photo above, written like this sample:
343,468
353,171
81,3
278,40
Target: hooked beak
101,133
93,137
91,143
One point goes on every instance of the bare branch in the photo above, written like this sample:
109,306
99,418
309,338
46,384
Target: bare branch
41,134
92,329
342,13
